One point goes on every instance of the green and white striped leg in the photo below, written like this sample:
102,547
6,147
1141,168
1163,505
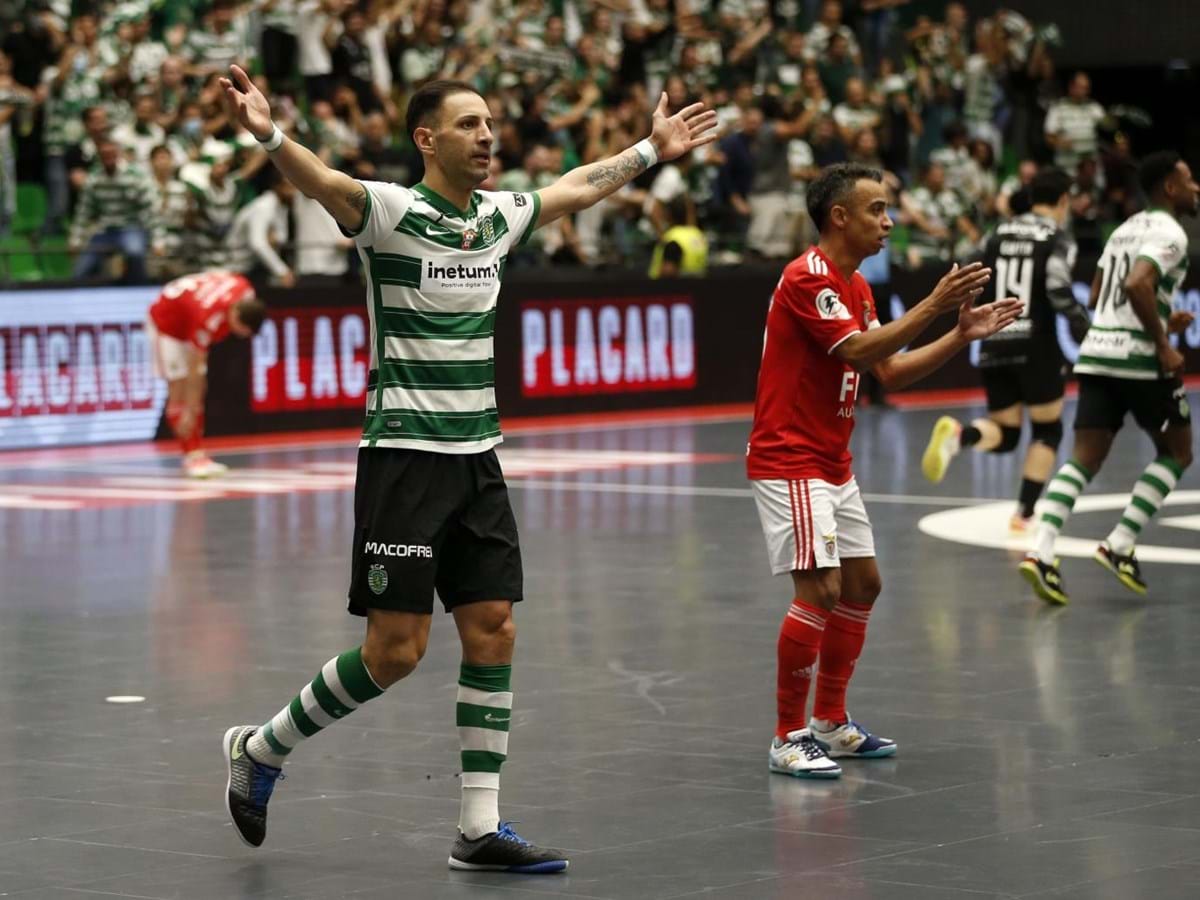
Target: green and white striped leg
342,686
1062,492
483,716
1149,492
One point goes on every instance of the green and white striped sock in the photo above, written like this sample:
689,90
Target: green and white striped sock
342,686
483,714
1149,492
1062,492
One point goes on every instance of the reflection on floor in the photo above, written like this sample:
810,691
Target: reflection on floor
1042,752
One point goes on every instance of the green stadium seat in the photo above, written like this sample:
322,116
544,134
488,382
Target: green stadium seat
31,207
17,260
54,259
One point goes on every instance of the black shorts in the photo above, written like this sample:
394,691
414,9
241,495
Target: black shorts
1039,380
1104,401
431,520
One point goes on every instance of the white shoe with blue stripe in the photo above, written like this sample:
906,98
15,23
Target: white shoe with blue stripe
851,740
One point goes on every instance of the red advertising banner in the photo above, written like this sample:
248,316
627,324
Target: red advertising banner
620,345
310,359
75,368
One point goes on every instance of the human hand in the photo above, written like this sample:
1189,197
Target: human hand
1179,321
960,285
691,127
245,103
1170,360
977,322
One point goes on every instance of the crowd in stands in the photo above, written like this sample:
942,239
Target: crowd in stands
114,106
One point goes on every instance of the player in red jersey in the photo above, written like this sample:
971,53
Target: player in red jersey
821,335
190,315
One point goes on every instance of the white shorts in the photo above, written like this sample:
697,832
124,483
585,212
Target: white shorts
169,355
812,524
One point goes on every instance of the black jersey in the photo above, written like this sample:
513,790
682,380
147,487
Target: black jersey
1031,258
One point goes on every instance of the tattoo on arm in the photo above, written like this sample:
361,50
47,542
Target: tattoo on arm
619,172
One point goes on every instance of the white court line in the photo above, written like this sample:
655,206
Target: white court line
26,501
682,490
350,443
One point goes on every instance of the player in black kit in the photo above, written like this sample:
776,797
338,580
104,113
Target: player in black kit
1022,366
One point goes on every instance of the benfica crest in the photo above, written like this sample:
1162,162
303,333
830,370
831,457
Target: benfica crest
468,238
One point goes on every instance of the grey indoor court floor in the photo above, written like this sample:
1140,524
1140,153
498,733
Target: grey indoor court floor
1043,753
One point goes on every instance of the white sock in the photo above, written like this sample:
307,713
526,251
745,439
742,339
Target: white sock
480,812
1062,492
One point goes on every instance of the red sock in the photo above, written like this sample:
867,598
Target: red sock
192,441
799,643
843,642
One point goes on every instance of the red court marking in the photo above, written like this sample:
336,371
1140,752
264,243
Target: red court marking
953,398
167,486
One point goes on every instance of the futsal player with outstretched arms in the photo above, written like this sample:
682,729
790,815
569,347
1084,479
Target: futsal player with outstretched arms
822,334
431,506
1127,366
189,315
1022,366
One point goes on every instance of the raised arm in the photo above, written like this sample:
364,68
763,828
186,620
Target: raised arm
869,348
341,195
691,127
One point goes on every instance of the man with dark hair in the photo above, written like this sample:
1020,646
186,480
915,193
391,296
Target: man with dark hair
1127,365
431,506
189,316
1022,366
821,334
117,213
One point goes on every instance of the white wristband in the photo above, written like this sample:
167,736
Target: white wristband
645,149
274,142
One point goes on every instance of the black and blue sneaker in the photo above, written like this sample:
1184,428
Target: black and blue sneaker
505,851
849,739
248,787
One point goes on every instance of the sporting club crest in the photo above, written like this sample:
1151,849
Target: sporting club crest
377,579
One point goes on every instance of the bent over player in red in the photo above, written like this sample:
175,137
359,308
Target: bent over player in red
821,335
190,315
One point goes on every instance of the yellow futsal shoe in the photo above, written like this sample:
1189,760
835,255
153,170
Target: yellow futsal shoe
1045,579
1125,567
943,447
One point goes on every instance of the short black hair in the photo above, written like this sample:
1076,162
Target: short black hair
1155,169
1021,201
427,101
833,185
1048,186
953,131
251,312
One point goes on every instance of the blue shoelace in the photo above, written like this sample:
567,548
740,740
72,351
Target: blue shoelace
262,783
506,833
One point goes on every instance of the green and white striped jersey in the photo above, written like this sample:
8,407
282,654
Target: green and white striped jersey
1116,344
433,277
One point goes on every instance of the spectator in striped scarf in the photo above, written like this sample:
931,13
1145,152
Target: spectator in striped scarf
117,213
173,204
